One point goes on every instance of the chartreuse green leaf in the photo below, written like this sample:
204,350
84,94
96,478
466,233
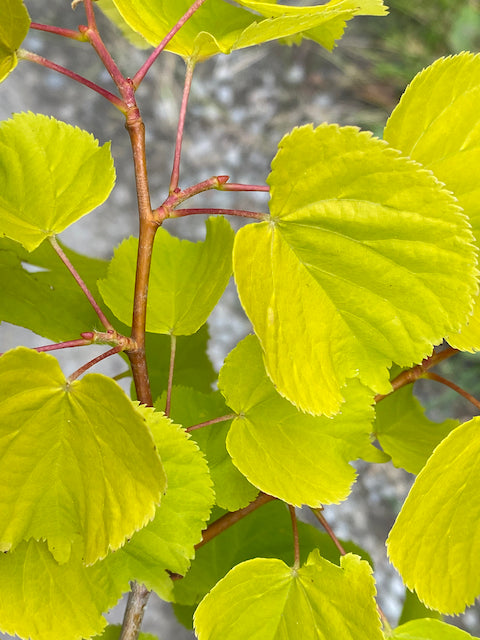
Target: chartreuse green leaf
219,27
39,293
110,10
79,465
267,532
167,543
428,629
190,407
113,632
405,432
437,123
282,451
364,260
14,25
51,174
44,600
265,599
186,279
434,542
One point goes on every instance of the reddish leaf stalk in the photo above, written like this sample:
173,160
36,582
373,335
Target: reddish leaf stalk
44,62
164,211
207,423
296,542
93,362
61,254
142,72
229,519
171,368
59,31
180,213
468,396
81,342
232,186
181,124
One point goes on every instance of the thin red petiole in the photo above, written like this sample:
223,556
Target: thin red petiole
233,186
468,396
142,72
181,124
59,31
61,254
180,213
207,423
296,542
81,342
171,368
93,362
44,62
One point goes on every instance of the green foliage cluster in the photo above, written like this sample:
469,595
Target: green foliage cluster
365,262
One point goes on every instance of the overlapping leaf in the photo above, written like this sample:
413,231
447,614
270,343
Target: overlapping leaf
437,123
365,260
434,542
186,279
44,600
189,407
167,543
266,533
405,432
220,27
428,629
264,599
79,466
51,174
299,458
39,293
14,25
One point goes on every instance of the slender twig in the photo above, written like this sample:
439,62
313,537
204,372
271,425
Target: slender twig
229,519
415,373
233,186
178,196
142,72
171,368
181,124
180,213
61,254
296,542
133,618
93,362
44,62
81,342
59,31
207,423
468,396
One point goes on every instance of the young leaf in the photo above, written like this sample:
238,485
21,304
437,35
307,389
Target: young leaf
14,25
437,123
405,432
428,629
47,300
264,599
433,543
186,279
365,260
267,532
51,174
219,27
189,407
79,465
44,600
167,543
299,458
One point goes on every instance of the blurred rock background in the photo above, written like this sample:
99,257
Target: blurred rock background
240,107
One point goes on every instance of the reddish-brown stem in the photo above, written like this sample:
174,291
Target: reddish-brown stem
207,423
171,368
181,124
142,72
232,186
468,396
321,518
93,362
81,342
296,542
178,196
61,254
180,213
44,62
229,519
59,31
415,373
